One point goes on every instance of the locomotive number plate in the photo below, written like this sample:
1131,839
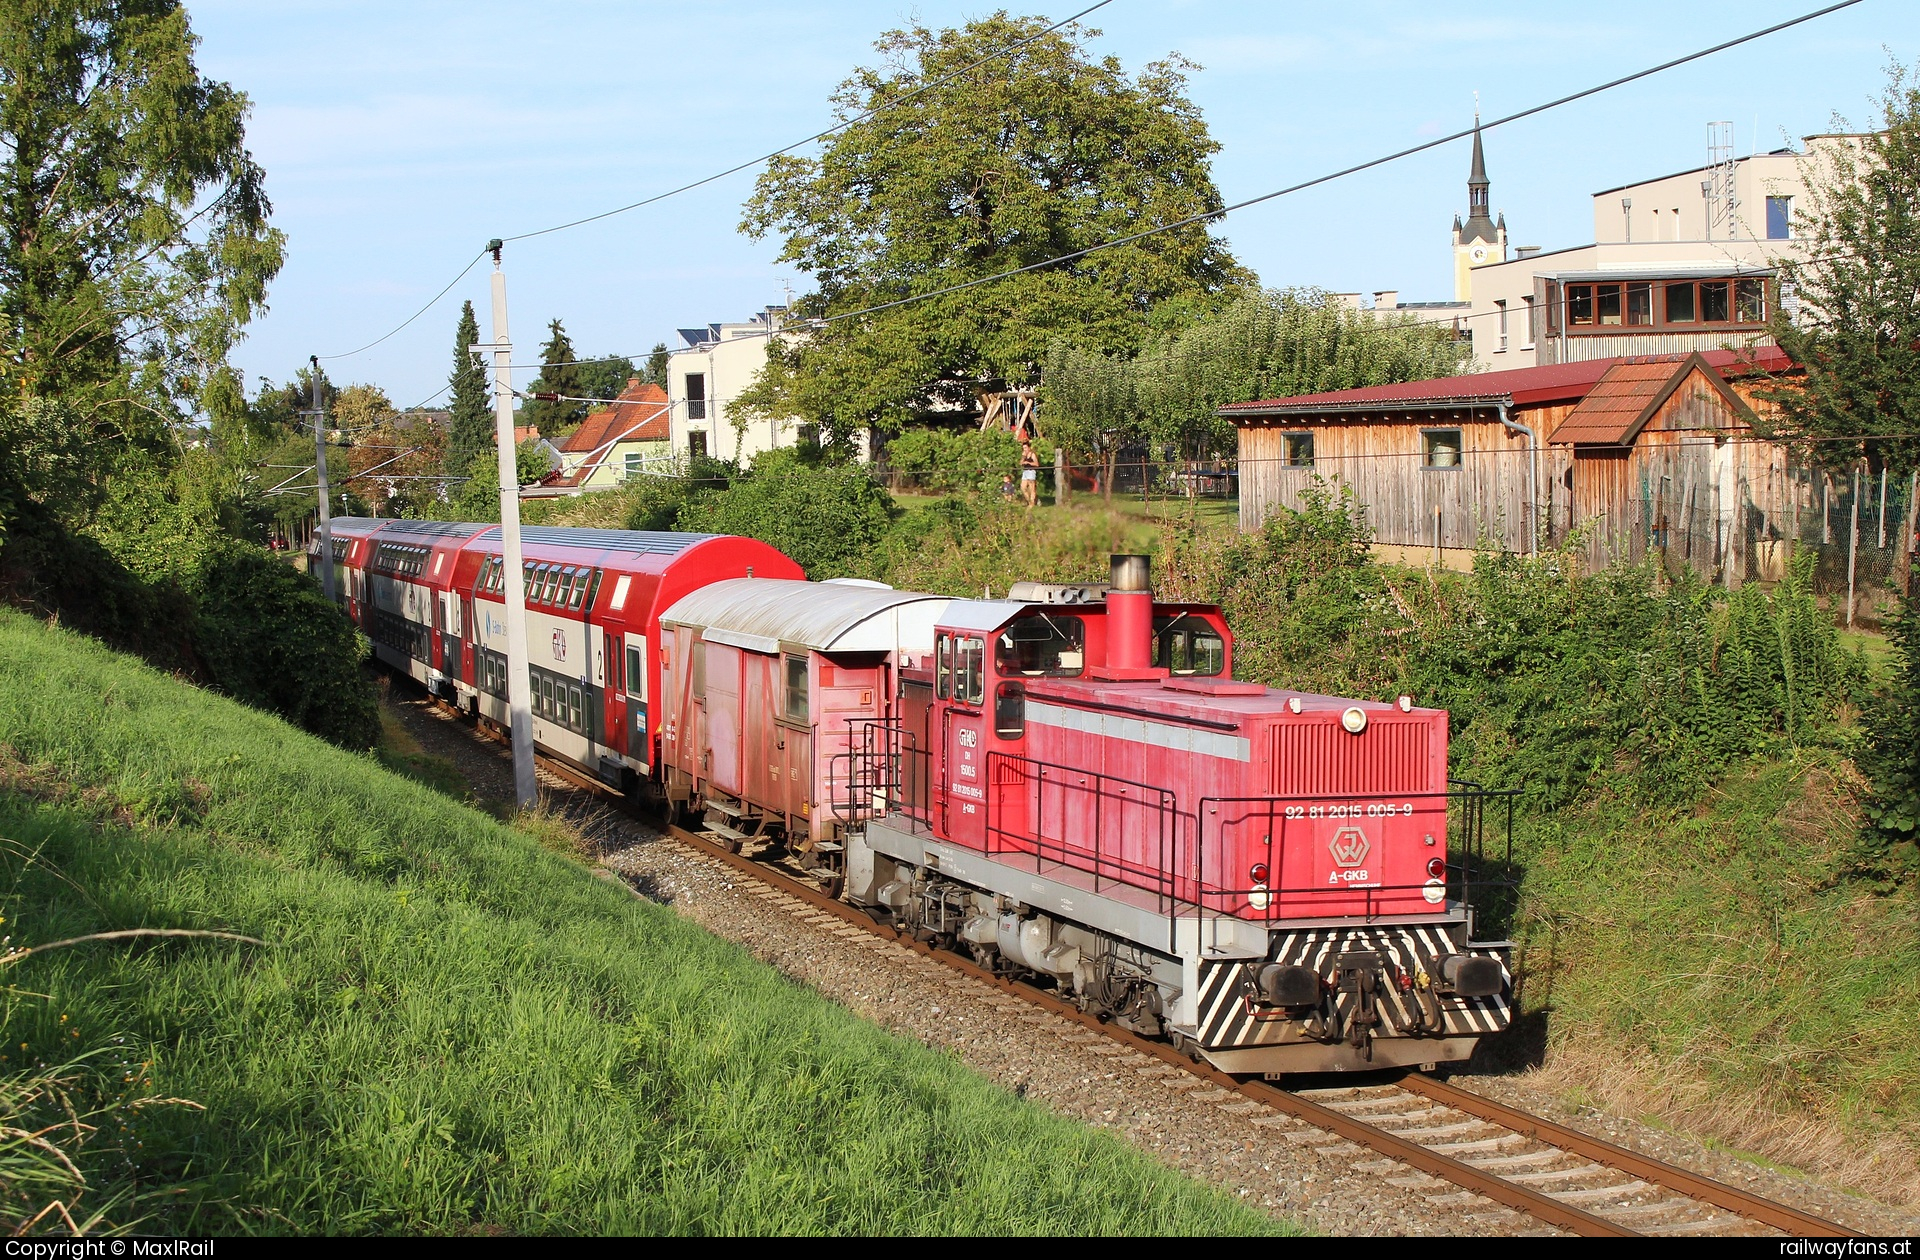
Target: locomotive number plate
1371,809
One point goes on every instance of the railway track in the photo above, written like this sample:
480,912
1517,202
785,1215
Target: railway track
1556,1175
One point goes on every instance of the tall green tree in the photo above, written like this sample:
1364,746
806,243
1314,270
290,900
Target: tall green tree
559,374
657,362
1267,344
1856,332
1038,154
470,427
134,241
604,376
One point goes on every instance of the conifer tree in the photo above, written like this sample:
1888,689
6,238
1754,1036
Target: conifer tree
657,364
471,425
559,374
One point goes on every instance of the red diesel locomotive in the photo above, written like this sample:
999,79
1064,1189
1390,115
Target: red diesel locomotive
1069,783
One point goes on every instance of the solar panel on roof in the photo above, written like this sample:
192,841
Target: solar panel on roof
639,542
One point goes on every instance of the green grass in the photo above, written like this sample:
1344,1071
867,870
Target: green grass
1724,944
449,1028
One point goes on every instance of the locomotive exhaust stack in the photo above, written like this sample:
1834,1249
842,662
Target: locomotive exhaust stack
1130,620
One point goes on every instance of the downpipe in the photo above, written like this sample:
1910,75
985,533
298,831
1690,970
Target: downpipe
1533,477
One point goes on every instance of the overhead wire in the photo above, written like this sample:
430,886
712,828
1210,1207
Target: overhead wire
732,170
1209,216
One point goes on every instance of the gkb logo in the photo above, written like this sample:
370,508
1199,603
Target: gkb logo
1349,847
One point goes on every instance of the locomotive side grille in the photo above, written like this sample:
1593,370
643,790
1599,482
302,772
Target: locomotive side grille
1323,760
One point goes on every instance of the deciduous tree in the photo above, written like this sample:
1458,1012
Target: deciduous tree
134,242
1854,328
1034,155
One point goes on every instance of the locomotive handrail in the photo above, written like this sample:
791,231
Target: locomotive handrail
1460,865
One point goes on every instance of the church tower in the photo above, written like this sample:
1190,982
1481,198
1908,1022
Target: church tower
1480,240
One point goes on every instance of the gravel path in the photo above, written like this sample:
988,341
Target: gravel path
1246,1148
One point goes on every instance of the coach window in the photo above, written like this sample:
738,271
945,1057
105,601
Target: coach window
593,588
1041,646
579,591
943,668
795,706
636,678
576,708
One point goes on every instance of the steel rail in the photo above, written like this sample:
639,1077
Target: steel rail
1787,1219
1521,1198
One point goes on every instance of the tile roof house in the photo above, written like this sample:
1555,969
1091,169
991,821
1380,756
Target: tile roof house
626,439
1636,453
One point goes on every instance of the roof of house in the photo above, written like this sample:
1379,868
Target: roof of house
1622,402
639,414
1557,382
522,434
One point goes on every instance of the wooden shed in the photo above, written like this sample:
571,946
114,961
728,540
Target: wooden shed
1660,452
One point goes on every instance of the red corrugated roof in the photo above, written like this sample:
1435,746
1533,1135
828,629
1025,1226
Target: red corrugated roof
1628,396
1557,382
639,414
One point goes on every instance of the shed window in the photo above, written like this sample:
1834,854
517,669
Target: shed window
1441,447
795,704
1296,450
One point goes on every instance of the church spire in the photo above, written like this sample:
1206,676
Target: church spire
1479,225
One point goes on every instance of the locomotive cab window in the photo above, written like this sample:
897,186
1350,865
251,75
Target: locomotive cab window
1186,645
969,666
794,694
943,668
1010,710
1041,646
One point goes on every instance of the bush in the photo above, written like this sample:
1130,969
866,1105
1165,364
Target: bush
270,639
1892,759
944,460
827,517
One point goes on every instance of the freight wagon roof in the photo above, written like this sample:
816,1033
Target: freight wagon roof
761,614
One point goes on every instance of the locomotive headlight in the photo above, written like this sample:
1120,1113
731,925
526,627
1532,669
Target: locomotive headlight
1354,720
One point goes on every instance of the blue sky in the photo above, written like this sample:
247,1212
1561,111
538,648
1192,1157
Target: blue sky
397,138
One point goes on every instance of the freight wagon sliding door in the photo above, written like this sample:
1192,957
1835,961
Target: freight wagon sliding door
723,721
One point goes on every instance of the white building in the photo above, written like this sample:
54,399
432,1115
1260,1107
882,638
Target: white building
717,363
1680,263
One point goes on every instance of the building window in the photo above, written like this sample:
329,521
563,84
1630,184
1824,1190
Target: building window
1440,447
1606,304
1640,304
1714,306
1579,305
697,445
1680,307
1750,301
633,464
696,395
1779,218
1501,306
1296,450
1533,333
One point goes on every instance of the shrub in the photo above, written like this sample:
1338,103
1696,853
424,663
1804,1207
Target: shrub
943,460
827,517
1892,759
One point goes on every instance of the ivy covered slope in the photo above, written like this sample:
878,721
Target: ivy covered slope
447,1028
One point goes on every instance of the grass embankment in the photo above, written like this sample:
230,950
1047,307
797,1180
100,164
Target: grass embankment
448,1028
1716,968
